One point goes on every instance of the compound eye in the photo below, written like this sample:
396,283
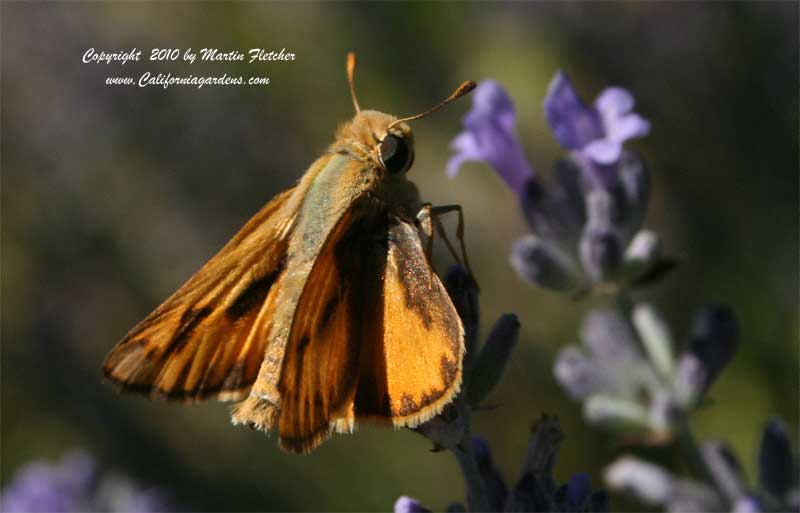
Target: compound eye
395,155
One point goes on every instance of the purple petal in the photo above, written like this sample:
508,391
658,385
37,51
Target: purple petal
626,127
648,482
574,125
406,504
615,412
502,150
579,375
620,123
40,486
613,345
748,504
465,143
645,247
603,151
579,489
77,468
690,379
490,101
614,101
36,488
467,149
489,137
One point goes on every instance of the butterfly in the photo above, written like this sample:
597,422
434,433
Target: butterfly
324,309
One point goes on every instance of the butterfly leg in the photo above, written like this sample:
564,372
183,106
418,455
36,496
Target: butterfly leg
425,222
429,215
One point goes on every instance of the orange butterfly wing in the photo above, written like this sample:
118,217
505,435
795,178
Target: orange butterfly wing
331,323
415,369
374,335
208,339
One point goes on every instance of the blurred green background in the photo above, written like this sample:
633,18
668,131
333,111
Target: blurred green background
113,196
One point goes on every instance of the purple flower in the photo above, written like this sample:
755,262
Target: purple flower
595,132
585,234
40,486
488,136
406,504
610,364
626,374
585,218
73,485
654,485
748,504
726,489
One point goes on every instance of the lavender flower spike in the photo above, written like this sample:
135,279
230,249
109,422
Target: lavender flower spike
42,486
74,484
597,131
489,137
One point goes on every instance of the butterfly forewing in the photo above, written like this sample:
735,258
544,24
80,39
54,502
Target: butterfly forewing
208,338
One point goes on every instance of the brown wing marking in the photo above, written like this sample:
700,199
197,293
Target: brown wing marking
208,339
414,369
334,319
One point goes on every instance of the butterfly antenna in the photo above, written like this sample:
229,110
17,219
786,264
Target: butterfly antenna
351,70
460,91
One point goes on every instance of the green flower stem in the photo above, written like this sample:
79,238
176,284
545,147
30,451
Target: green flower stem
625,305
690,452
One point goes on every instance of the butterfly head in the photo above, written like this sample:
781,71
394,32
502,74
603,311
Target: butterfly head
384,138
375,136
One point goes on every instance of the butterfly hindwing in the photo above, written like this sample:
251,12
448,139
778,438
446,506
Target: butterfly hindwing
414,369
208,339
